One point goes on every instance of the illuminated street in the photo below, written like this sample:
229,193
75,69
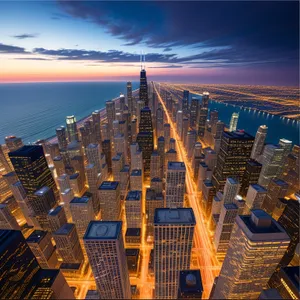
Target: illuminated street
207,261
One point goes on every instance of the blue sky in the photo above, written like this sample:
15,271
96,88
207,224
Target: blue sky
211,42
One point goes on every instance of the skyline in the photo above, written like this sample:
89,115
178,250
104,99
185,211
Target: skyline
204,42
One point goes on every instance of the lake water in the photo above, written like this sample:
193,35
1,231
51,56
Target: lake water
32,111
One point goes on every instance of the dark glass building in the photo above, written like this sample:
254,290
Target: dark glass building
32,169
250,176
185,102
235,151
18,264
190,285
143,87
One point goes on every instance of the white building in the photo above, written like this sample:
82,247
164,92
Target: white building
255,197
133,207
105,249
173,239
175,184
231,189
256,246
259,142
110,203
233,122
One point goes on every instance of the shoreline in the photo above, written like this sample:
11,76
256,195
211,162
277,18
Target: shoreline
80,122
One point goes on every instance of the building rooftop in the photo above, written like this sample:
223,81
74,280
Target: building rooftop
156,179
208,183
176,165
239,134
230,206
103,230
125,169
133,232
132,252
65,229
165,216
80,200
42,191
109,185
171,151
66,191
161,139
261,226
258,188
190,282
36,236
152,195
254,163
74,176
136,172
134,196
292,273
117,157
280,182
55,211
63,177
32,151
232,180
92,146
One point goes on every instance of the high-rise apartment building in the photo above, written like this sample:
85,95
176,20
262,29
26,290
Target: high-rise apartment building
111,114
68,245
93,154
16,256
109,196
133,208
72,128
232,158
7,220
259,142
233,122
155,170
61,137
271,160
175,184
277,188
255,197
145,141
82,213
131,107
13,143
256,246
185,102
56,218
104,245
173,239
251,175
41,245
31,167
231,189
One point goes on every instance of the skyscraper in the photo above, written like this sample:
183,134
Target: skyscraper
67,244
233,155
104,245
109,196
31,167
111,114
231,189
72,128
190,285
145,142
223,231
96,117
155,170
82,213
93,178
18,264
202,118
277,188
61,137
93,154
271,160
259,142
233,122
131,107
194,111
143,93
13,143
56,218
41,245
173,239
133,207
251,175
255,197
7,220
175,184
159,122
185,102
43,202
256,246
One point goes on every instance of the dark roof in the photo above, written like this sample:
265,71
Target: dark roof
133,232
36,236
109,185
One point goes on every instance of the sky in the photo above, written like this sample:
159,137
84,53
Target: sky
196,42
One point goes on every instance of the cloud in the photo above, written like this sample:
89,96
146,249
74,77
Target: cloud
9,49
26,36
32,58
269,27
165,67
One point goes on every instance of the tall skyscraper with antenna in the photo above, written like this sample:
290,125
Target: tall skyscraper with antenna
143,82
